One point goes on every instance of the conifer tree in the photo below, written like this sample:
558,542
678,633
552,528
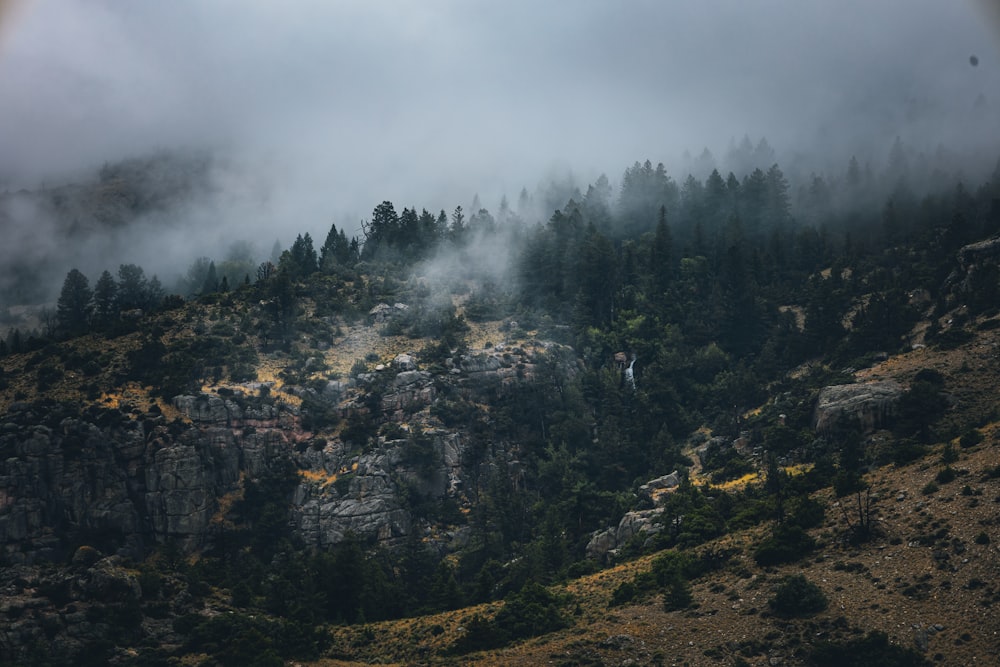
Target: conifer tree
74,305
457,230
105,299
661,255
132,287
211,283
328,251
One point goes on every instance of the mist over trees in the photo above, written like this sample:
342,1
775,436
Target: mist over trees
665,307
751,220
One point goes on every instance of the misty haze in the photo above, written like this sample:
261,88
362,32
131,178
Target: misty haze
454,332
217,123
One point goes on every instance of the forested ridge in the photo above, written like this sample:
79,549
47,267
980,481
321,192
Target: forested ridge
659,327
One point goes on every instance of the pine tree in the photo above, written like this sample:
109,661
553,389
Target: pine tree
308,260
596,269
408,236
778,211
154,293
74,305
661,255
328,251
715,195
105,300
457,230
442,226
428,230
336,251
211,283
754,200
132,287
383,230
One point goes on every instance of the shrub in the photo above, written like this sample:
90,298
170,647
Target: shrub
677,594
797,597
970,438
786,544
806,512
358,367
953,338
945,475
623,594
532,612
873,650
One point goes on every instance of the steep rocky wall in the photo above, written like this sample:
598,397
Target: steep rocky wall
125,480
119,481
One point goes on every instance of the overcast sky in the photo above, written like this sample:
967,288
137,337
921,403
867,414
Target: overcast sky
345,103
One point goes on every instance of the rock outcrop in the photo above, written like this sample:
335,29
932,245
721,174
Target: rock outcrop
122,481
870,403
972,259
604,544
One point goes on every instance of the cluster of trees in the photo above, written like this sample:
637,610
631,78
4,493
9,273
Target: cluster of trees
80,308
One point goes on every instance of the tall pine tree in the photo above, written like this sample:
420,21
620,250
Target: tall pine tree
73,307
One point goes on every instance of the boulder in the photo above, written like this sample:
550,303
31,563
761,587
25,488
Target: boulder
654,488
600,544
380,313
977,252
871,403
404,362
635,522
408,378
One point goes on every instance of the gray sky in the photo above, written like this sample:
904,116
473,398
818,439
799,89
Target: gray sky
339,104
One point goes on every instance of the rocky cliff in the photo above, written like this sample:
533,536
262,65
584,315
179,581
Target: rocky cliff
124,479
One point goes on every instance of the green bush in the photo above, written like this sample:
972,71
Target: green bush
946,475
873,650
677,593
787,544
970,438
953,338
797,597
806,512
623,594
532,612
358,368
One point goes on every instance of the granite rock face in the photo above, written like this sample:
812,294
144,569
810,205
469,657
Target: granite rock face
603,544
120,482
870,403
123,481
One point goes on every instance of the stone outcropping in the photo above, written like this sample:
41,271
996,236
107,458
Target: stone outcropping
870,403
366,493
123,480
603,544
972,259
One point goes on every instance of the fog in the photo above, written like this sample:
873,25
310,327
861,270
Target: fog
316,111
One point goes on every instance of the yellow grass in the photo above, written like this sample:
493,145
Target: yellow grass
319,477
227,501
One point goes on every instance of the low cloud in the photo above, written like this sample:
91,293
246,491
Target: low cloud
314,112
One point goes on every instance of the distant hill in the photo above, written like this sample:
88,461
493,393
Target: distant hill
54,228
